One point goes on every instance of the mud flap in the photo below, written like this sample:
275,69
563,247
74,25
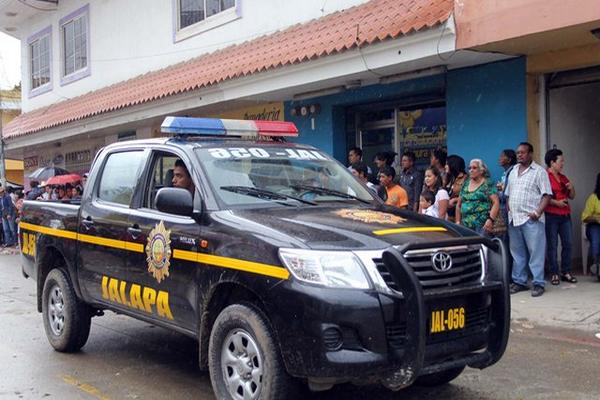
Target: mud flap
414,355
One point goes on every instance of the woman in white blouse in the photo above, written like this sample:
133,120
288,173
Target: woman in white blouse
433,182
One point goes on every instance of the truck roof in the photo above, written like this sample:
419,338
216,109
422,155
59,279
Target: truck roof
208,141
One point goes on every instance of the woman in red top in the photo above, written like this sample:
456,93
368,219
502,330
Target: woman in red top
558,218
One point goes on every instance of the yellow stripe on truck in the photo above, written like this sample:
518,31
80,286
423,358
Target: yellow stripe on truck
233,263
218,261
414,229
49,231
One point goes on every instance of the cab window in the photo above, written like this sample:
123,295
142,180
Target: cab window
161,175
119,176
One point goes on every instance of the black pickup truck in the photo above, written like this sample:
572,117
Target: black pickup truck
274,257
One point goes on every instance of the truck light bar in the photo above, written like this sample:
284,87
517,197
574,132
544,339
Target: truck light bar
227,127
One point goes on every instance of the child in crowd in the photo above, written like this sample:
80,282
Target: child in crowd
426,201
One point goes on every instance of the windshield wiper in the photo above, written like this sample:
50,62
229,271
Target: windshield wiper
336,193
264,194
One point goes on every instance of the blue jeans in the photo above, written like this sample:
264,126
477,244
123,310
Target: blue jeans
592,231
8,226
528,247
559,225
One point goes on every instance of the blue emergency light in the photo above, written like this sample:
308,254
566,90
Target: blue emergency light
227,127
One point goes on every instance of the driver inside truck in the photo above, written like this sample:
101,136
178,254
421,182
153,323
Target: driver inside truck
182,178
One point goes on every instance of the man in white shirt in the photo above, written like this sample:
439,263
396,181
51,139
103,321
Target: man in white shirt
528,192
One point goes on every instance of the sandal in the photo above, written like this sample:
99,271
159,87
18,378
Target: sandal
568,278
555,280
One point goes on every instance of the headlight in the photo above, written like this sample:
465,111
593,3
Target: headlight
335,269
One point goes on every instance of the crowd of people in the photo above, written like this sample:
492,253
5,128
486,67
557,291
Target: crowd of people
55,192
11,204
528,208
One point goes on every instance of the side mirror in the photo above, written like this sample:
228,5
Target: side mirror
176,201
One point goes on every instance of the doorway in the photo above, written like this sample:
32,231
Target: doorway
573,101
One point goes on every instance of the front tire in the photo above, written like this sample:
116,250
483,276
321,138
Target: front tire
243,357
66,319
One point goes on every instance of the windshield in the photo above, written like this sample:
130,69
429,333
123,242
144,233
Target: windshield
259,175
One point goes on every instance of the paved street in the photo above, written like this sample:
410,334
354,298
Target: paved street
127,359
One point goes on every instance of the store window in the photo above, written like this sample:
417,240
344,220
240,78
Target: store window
420,129
196,16
74,30
40,61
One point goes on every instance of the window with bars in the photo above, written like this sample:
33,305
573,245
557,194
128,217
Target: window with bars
193,11
39,51
74,36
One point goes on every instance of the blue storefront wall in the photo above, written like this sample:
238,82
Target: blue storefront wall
329,133
485,110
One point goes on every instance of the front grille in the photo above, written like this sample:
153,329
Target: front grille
466,268
385,274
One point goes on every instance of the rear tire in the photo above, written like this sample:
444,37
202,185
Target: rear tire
244,358
66,319
439,378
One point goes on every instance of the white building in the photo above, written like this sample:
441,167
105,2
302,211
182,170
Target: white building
94,72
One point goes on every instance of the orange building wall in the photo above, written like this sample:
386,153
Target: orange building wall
481,22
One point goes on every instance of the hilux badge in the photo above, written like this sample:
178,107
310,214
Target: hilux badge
442,262
158,251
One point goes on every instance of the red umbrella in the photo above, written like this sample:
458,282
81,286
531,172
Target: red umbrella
63,179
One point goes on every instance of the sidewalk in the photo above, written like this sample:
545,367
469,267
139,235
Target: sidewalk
9,251
571,306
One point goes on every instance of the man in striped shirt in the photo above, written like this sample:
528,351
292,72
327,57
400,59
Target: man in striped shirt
528,192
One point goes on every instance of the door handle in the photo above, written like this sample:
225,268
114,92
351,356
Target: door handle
134,231
87,223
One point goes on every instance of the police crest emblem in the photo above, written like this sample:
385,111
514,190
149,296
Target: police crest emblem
158,251
370,216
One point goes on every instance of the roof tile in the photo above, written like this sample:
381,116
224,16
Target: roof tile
368,23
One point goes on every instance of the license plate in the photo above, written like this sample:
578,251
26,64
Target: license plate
451,319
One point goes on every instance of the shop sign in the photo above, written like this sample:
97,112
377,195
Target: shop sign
44,161
77,157
423,131
30,162
265,112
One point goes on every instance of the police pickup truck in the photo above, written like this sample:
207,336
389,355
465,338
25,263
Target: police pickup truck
274,257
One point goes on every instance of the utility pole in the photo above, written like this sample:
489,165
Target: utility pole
2,162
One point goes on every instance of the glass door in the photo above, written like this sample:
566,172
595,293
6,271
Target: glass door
376,133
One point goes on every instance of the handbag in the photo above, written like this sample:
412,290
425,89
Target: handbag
499,229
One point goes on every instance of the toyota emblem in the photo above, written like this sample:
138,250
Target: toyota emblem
442,262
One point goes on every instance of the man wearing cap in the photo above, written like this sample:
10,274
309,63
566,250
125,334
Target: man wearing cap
84,179
8,218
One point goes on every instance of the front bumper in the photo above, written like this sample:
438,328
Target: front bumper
334,336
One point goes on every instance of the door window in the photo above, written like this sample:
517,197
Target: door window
161,175
120,176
